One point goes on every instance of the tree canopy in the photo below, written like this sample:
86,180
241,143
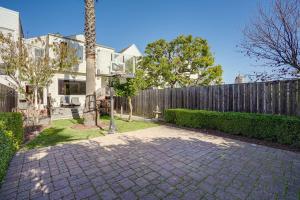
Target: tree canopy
184,61
129,88
272,38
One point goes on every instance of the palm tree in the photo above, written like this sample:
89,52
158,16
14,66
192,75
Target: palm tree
90,43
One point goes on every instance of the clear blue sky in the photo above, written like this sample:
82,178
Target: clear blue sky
121,23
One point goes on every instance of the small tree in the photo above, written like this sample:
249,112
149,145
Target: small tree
129,88
273,39
183,61
22,66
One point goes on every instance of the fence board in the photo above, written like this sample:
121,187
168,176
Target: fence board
8,98
278,97
298,98
293,96
268,95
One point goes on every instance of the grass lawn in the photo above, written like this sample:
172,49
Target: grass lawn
61,131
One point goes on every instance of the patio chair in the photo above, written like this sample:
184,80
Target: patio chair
64,102
75,101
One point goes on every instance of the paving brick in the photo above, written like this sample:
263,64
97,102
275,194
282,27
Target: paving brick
156,163
126,183
108,194
85,193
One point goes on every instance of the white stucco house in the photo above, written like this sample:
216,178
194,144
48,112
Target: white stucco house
10,23
66,85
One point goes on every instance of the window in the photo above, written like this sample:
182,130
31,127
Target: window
79,50
38,52
70,87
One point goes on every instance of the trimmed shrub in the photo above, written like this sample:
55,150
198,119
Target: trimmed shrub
11,136
13,122
8,146
276,128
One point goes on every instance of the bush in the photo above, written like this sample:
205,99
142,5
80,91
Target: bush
13,122
8,146
276,128
11,136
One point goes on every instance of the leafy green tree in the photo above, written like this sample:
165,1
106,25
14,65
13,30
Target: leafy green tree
184,61
129,88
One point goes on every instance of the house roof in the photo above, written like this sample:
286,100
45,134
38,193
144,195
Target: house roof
78,40
73,39
125,49
9,10
132,47
19,18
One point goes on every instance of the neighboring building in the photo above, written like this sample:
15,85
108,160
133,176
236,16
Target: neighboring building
10,23
66,85
239,79
131,50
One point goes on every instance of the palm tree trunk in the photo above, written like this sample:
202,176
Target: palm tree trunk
90,43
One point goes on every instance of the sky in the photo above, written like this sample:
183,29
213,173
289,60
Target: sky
120,23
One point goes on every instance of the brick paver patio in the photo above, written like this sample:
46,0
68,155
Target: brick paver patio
156,163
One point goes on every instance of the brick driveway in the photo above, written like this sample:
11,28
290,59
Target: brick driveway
156,163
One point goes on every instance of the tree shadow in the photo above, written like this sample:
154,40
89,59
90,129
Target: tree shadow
148,162
49,136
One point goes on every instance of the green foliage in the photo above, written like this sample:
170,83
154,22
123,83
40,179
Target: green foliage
280,129
127,89
172,63
14,122
131,87
11,136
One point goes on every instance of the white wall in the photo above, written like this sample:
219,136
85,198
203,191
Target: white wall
103,59
10,22
53,88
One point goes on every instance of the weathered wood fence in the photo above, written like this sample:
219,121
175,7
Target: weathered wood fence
276,97
8,98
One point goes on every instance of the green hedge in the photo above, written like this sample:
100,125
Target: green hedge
14,122
11,136
280,129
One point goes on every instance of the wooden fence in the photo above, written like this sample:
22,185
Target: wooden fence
8,98
277,97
